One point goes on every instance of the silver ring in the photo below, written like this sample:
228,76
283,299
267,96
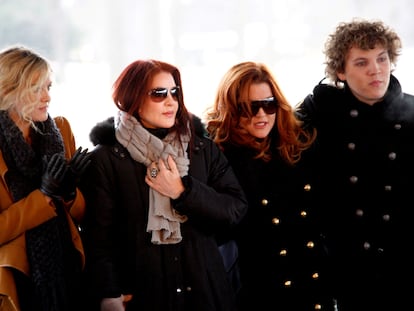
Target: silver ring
154,172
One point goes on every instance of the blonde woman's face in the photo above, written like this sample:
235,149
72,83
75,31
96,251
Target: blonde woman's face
35,104
41,95
262,123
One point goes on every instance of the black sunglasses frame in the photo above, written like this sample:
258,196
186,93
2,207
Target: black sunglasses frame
269,106
160,93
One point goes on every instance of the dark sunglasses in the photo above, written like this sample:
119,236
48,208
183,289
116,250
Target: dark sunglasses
160,93
269,106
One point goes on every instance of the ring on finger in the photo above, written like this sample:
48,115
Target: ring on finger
153,172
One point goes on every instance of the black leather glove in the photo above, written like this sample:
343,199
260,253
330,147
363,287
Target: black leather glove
53,175
79,163
76,166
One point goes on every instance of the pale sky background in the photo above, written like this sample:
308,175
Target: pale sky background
202,38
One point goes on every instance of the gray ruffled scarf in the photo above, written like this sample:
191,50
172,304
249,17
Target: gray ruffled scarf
163,221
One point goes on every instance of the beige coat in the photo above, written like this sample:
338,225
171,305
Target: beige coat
33,210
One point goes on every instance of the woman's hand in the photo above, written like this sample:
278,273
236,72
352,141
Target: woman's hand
113,304
165,180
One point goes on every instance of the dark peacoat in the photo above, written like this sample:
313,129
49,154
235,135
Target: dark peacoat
282,255
186,276
365,164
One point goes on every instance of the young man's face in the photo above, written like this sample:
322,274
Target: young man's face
367,73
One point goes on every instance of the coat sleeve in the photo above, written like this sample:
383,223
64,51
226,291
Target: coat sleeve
214,194
317,107
306,110
77,206
23,215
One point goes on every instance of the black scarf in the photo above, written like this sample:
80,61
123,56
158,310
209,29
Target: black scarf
49,246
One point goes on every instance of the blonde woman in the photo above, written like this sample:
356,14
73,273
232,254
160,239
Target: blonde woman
41,254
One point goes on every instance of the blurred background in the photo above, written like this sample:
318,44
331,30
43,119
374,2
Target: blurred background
89,42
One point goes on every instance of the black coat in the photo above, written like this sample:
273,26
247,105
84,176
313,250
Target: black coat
365,163
120,256
281,246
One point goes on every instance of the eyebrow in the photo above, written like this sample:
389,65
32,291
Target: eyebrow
383,52
361,58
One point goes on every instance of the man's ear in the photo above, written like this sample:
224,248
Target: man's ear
341,76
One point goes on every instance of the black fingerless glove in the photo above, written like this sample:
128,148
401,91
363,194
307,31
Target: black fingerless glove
53,175
76,166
